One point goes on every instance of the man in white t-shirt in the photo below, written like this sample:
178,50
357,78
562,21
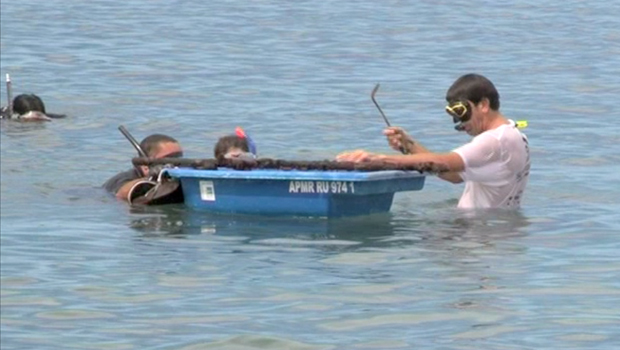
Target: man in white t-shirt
495,165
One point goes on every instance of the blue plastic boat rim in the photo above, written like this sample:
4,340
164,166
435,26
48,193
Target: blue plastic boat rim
269,174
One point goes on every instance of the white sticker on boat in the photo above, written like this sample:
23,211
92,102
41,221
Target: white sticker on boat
207,191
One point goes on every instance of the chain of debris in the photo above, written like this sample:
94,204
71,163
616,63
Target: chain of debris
279,164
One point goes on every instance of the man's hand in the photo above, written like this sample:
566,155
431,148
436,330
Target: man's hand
399,139
154,171
358,156
244,156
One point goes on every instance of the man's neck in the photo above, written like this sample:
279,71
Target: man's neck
495,120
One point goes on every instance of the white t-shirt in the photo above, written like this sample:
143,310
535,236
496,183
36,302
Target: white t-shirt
497,167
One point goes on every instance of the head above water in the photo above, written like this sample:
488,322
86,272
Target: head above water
25,103
229,144
468,95
28,107
473,88
161,146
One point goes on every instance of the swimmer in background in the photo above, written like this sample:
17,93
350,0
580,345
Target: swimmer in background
25,107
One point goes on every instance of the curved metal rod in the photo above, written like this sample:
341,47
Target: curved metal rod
133,141
372,96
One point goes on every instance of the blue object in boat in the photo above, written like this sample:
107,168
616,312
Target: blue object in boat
251,145
299,193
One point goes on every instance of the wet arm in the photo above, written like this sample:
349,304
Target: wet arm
451,176
416,148
452,160
123,192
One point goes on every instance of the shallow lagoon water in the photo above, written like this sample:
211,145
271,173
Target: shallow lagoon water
82,271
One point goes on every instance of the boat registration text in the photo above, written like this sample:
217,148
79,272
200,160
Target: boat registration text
321,187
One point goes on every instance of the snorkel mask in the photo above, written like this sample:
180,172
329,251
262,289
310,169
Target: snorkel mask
460,112
251,145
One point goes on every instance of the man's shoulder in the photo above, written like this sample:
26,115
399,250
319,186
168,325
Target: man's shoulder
490,138
498,136
117,181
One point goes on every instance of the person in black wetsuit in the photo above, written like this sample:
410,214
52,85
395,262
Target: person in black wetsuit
155,146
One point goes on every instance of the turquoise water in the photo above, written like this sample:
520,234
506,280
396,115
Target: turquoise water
82,271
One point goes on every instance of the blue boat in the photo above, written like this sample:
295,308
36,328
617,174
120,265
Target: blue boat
294,192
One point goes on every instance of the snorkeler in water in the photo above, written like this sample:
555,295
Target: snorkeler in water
25,107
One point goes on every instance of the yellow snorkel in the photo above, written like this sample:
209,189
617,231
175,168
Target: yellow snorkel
521,124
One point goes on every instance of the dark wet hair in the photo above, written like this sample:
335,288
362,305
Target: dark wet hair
151,143
227,142
475,88
25,103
